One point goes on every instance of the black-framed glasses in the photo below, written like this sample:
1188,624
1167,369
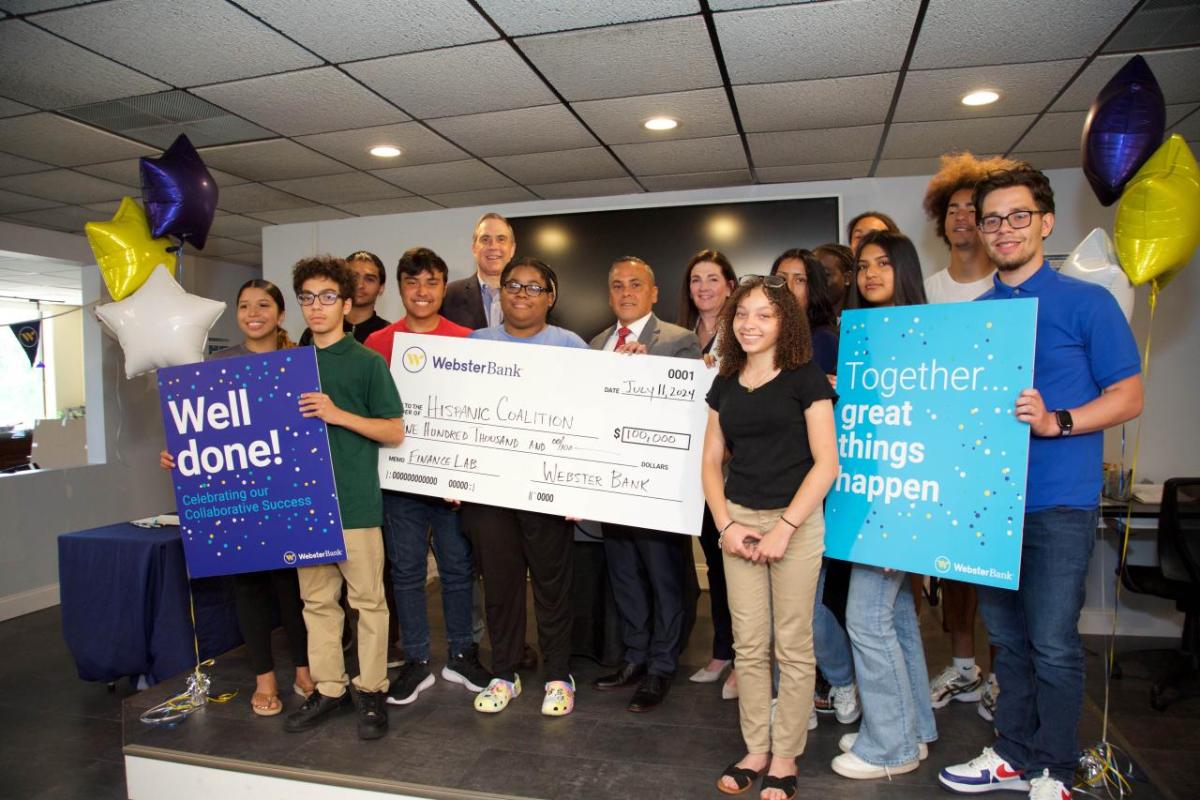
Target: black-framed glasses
1015,219
532,289
769,281
327,298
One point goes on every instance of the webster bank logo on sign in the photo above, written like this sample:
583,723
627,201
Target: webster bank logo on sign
414,359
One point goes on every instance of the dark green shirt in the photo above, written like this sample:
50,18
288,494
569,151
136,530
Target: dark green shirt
358,381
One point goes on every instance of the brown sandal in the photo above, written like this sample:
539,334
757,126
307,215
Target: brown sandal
272,707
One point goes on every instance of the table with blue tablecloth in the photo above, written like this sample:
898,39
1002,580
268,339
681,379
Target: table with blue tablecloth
124,593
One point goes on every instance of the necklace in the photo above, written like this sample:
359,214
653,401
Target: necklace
758,383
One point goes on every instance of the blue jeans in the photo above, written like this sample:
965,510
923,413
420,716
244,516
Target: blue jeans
410,524
889,661
1039,655
830,642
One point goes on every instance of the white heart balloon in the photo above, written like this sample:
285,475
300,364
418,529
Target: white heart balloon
1095,260
160,325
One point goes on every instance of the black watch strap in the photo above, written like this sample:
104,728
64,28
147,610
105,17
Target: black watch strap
1065,423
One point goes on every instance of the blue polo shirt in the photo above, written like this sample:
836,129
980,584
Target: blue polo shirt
1084,345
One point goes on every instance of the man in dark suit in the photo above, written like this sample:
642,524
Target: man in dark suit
645,567
474,301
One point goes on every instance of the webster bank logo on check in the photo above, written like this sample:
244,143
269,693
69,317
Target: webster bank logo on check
509,369
414,359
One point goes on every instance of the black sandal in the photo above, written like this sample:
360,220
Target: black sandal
785,784
744,778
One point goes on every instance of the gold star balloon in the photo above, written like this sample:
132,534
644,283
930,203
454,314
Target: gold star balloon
125,250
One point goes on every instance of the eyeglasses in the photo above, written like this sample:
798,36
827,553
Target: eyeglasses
532,289
327,298
769,281
1015,219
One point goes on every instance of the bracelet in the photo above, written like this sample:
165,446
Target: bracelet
794,526
721,535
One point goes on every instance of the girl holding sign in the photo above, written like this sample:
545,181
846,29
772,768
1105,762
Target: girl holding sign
881,618
771,407
260,317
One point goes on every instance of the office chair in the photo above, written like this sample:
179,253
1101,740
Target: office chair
1176,577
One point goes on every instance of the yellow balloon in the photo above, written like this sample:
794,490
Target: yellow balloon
1158,218
125,250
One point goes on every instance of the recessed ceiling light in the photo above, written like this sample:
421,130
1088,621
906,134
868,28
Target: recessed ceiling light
980,98
660,124
385,151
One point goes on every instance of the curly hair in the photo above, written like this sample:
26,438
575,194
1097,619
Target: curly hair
325,266
960,170
793,348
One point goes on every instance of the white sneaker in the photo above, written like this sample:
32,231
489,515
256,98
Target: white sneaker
849,765
846,744
987,703
706,675
951,684
845,703
986,772
1044,787
812,720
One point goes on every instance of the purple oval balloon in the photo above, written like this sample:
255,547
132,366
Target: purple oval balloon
179,194
1124,127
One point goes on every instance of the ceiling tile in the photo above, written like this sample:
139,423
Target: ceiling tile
254,259
12,202
963,33
401,205
642,58
921,139
525,130
46,71
420,145
235,226
276,159
831,145
687,155
63,142
11,108
66,186
1054,159
814,172
209,41
331,102
522,17
352,187
15,165
1159,23
733,5
252,198
1055,131
701,113
63,218
1023,89
290,215
1188,127
32,6
898,167
816,40
251,238
800,105
598,188
1175,71
455,176
444,83
588,163
110,207
216,246
1176,113
347,30
696,180
483,197
129,172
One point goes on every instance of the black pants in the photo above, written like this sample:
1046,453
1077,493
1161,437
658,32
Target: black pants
717,594
646,571
508,544
256,595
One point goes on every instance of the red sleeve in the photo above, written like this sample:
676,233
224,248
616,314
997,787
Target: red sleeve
381,342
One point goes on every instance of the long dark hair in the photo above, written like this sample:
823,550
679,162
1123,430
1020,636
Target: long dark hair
820,306
892,227
907,281
688,313
282,340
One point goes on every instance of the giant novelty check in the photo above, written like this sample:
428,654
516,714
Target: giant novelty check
582,433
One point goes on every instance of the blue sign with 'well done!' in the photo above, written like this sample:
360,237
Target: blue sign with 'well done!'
253,478
932,458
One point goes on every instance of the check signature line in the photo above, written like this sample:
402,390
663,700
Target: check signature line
608,491
656,397
509,427
521,452
451,469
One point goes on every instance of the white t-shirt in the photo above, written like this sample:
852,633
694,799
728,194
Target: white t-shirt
941,288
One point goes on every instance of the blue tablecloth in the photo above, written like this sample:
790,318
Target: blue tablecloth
124,593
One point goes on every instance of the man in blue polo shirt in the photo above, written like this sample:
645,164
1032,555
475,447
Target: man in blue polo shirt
1086,378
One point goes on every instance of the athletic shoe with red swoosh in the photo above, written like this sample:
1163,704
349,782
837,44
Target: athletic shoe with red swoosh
987,772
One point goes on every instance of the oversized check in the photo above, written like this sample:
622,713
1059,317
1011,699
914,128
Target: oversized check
582,433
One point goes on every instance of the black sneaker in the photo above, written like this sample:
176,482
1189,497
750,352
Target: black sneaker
313,712
414,678
372,714
465,668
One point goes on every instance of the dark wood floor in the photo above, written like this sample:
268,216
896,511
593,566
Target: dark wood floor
63,737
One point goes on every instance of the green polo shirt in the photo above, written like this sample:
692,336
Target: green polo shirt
358,381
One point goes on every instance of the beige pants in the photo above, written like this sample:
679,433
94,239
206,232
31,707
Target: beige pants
775,598
321,589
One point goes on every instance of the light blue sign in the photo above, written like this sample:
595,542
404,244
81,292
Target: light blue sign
932,458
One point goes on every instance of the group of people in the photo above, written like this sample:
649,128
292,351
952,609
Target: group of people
806,635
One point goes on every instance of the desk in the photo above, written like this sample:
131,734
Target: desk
124,593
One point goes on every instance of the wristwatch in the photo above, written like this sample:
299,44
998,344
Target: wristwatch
1065,423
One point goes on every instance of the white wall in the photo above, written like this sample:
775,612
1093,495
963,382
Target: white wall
1170,432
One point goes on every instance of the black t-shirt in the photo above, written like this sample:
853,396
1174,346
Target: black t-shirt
767,435
360,332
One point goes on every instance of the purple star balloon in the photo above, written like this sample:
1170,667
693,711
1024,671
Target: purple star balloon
179,194
1124,127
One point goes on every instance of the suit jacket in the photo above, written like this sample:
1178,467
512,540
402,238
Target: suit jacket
661,339
463,303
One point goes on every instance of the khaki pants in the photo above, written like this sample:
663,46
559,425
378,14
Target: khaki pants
775,598
321,588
